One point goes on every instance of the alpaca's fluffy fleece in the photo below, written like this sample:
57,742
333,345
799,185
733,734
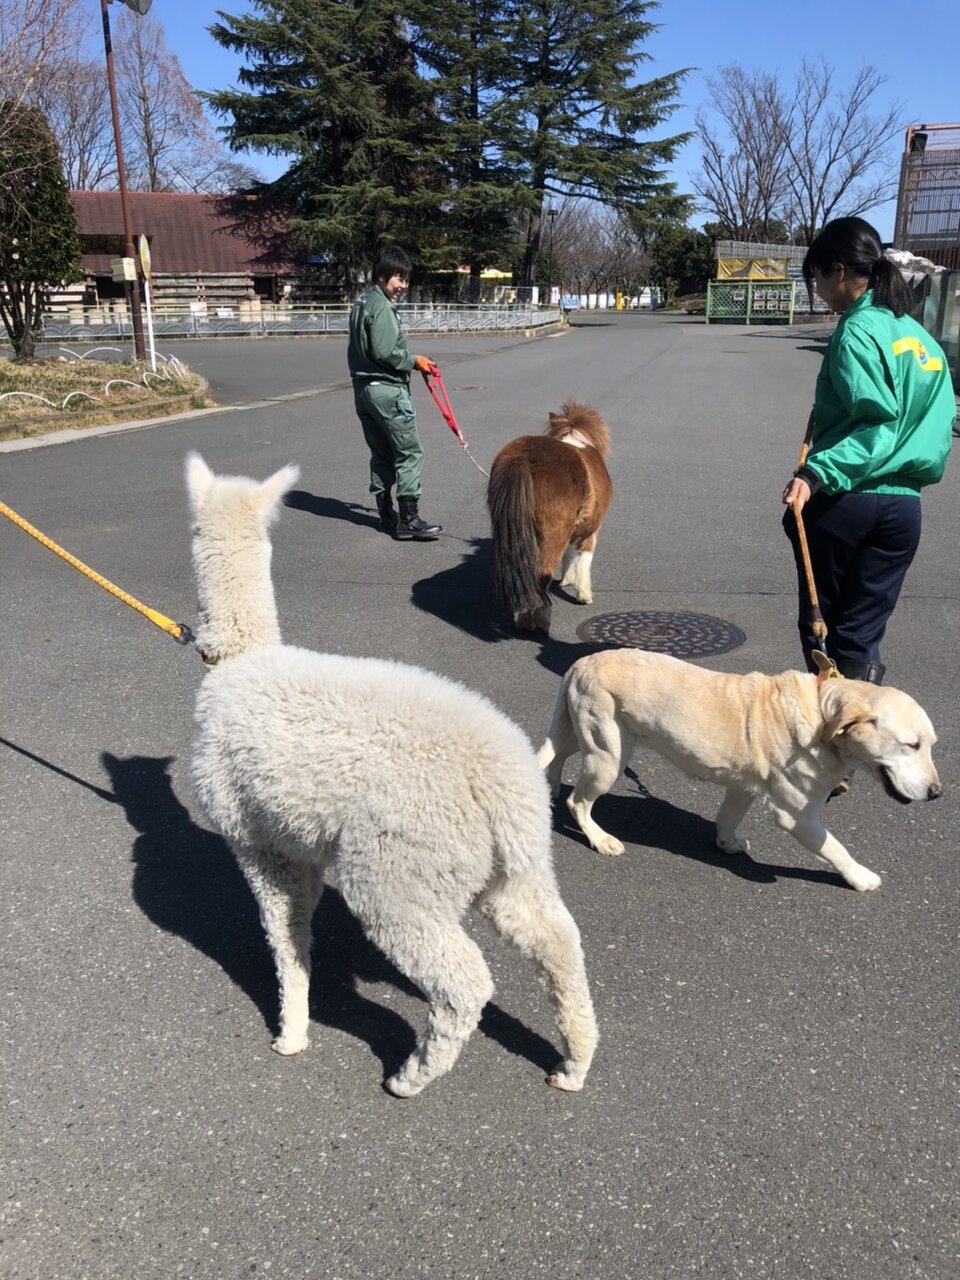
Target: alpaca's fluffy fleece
426,798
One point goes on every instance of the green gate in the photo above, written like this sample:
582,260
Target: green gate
751,300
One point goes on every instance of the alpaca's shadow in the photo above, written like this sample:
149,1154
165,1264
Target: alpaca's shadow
331,508
644,819
186,880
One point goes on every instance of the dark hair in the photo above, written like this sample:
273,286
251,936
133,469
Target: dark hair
855,244
390,260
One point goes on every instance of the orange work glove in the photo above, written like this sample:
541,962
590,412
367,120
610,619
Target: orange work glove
426,365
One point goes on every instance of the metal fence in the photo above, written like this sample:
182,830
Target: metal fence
270,321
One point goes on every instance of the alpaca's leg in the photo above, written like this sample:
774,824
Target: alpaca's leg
449,969
529,912
559,745
286,893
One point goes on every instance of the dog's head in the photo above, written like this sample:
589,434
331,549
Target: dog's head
883,731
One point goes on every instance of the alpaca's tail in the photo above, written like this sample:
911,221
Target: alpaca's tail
561,739
516,549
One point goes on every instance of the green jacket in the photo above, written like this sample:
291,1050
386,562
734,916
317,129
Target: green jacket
378,346
884,406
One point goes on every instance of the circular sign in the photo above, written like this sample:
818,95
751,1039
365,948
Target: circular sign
145,256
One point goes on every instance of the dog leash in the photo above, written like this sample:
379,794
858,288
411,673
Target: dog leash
442,401
178,630
818,626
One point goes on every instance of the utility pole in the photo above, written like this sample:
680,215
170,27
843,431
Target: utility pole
141,7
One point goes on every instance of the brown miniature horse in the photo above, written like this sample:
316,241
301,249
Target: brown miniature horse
547,496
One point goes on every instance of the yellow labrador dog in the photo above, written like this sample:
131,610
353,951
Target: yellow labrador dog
790,738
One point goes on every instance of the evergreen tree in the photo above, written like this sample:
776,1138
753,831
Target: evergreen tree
576,120
459,42
334,85
39,244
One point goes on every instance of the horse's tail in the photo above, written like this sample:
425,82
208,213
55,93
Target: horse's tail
516,548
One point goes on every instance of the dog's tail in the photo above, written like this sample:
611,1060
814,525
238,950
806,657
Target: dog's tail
561,739
516,549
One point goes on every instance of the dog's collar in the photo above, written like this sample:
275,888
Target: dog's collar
828,673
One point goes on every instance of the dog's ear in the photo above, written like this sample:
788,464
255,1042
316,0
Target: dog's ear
841,711
199,480
275,486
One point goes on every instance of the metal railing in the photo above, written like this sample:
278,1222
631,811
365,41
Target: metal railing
269,320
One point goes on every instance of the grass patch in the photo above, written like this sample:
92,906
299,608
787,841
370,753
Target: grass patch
57,392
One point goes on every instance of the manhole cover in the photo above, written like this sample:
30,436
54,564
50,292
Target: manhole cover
684,635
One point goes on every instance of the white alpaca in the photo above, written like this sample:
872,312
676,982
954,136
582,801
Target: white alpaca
426,798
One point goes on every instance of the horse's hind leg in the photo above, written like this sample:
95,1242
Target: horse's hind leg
577,574
529,911
286,892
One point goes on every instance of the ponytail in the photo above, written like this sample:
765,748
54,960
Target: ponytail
889,287
855,244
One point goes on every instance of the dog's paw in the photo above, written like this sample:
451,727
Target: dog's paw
609,845
288,1046
863,880
736,844
566,1081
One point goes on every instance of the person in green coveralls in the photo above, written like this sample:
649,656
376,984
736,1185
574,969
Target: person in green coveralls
882,421
380,366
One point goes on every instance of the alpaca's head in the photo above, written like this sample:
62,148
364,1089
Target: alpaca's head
231,556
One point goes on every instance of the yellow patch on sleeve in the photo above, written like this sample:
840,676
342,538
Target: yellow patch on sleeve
929,364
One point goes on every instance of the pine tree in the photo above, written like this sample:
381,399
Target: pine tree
39,244
334,85
576,119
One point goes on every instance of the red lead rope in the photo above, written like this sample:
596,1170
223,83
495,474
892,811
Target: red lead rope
436,388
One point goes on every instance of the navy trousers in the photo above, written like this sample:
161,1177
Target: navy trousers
861,546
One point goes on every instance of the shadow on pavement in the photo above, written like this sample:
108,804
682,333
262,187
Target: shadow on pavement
331,508
645,820
187,882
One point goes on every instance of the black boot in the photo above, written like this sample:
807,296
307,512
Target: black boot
411,526
855,669
388,512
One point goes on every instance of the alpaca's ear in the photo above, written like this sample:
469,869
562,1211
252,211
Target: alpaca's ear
199,480
275,486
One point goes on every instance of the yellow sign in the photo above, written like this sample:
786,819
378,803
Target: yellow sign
752,268
145,256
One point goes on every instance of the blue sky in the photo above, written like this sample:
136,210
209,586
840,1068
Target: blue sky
915,47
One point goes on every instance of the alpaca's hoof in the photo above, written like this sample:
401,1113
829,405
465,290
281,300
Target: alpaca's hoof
736,844
288,1046
401,1087
609,845
566,1080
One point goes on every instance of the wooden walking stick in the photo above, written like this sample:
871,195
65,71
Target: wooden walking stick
818,625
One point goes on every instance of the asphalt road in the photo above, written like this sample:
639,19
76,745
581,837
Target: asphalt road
775,1090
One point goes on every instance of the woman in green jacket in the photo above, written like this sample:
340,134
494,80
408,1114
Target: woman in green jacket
882,420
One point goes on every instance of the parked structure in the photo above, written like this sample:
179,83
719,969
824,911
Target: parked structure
928,203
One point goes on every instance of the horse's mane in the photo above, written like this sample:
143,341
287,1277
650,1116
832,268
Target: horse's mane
585,421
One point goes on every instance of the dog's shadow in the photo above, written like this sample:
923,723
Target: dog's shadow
187,882
643,819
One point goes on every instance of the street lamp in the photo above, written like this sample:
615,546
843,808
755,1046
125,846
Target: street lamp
140,7
551,214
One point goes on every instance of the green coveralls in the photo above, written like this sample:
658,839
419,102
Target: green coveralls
380,366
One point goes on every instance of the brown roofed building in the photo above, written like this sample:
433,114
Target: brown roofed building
203,248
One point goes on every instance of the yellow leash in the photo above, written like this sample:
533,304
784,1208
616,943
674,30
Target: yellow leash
178,630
